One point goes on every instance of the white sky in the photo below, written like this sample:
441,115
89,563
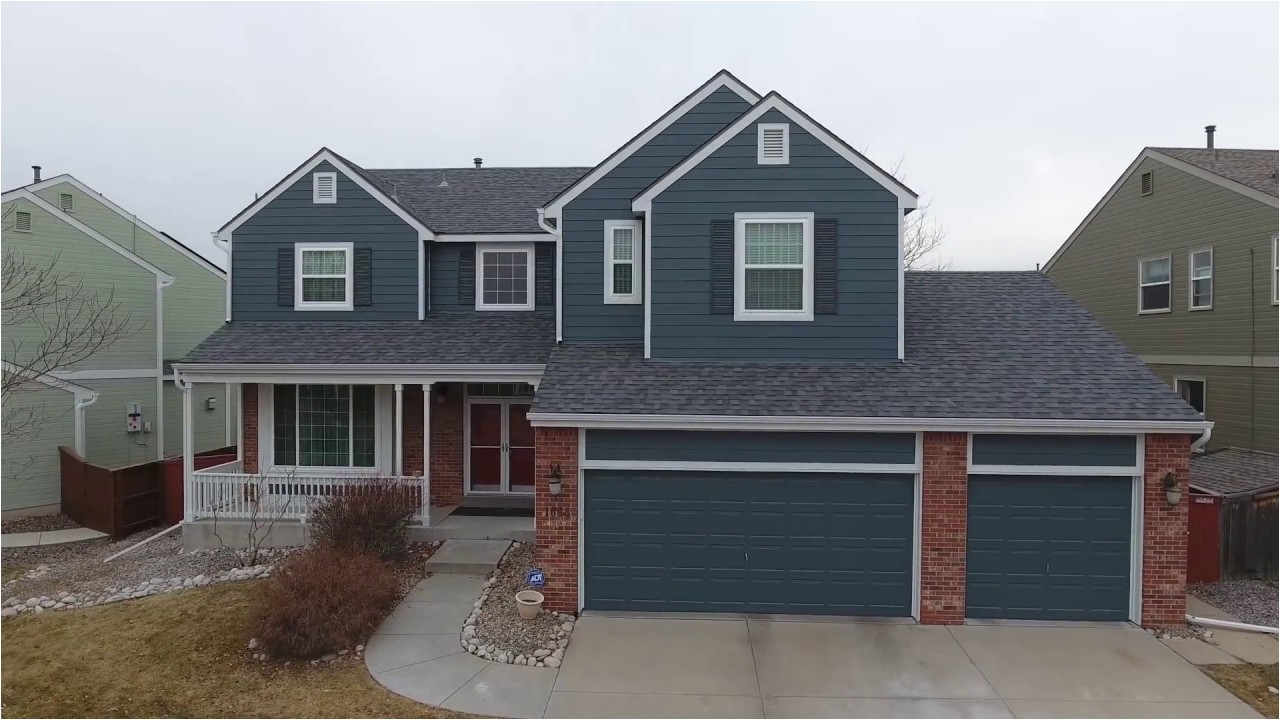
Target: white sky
1013,118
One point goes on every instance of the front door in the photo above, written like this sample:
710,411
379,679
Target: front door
500,447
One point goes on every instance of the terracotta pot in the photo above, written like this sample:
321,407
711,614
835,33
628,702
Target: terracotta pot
529,603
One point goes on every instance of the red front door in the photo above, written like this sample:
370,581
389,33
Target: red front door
500,456
519,449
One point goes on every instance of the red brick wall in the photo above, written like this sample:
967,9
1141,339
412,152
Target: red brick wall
944,521
1164,532
556,516
411,433
249,418
446,445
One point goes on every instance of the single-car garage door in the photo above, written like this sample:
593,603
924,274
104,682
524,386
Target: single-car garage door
764,542
1049,547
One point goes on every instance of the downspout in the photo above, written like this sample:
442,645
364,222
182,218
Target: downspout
225,247
161,285
555,230
1205,434
82,402
1253,348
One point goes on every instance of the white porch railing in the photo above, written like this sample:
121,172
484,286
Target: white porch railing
225,493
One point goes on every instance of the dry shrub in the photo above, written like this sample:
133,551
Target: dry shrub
372,515
323,600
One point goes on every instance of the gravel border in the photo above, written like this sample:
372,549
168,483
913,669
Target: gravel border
495,631
38,523
1252,601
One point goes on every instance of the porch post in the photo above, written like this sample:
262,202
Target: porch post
426,454
188,452
397,453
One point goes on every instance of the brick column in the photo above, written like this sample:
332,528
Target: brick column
411,431
446,446
556,516
943,523
249,420
1164,531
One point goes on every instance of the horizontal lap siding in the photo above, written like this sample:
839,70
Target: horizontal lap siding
586,316
817,180
1239,401
1082,450
32,476
358,218
674,445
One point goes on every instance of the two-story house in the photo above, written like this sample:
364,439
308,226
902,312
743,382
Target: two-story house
703,364
110,301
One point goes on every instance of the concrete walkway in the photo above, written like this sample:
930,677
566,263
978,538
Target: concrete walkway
52,537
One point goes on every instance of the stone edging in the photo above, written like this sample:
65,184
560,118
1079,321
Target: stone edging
551,654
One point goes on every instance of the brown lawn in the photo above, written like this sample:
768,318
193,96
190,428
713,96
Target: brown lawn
1249,683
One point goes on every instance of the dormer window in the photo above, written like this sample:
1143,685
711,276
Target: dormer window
324,188
773,143
325,277
622,262
504,277
773,266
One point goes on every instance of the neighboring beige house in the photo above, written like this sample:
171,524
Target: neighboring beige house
173,297
1179,260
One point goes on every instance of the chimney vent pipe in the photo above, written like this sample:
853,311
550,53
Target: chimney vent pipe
1209,130
35,169
478,162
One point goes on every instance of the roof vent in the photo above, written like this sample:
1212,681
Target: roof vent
35,169
478,162
1209,130
443,182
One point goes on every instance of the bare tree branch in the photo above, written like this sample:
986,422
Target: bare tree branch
922,235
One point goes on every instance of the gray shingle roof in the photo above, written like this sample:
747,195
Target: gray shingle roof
485,200
979,345
486,338
1252,168
1234,471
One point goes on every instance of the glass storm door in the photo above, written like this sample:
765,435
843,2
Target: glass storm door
500,452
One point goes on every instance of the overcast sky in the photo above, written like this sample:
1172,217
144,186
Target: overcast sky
1013,118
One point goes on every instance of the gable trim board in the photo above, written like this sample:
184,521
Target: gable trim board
722,79
1175,163
83,396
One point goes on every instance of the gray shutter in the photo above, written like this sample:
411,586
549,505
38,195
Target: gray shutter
544,278
284,276
426,274
467,275
825,282
363,278
722,267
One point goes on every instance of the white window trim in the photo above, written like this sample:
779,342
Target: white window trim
1191,279
740,313
1177,381
481,249
633,297
315,188
383,434
298,302
1142,284
786,144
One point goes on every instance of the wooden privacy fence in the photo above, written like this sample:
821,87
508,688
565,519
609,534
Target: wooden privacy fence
117,501
1249,538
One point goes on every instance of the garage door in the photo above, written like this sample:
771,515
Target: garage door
807,543
1049,547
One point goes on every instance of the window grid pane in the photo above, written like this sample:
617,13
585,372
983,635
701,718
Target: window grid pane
774,289
324,425
363,442
622,279
1155,271
324,262
324,289
774,244
505,278
286,424
623,244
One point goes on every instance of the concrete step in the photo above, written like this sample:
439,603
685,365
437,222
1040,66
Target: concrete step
467,557
472,527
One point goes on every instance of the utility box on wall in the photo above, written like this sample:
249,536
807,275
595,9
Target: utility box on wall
133,417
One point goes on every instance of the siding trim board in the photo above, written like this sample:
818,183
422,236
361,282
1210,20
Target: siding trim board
1081,454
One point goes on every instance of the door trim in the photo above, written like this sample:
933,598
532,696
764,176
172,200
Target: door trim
504,484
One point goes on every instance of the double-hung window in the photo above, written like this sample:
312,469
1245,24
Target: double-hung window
504,277
1154,282
331,426
324,276
773,266
1200,287
622,262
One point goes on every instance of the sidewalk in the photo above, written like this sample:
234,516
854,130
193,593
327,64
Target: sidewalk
52,537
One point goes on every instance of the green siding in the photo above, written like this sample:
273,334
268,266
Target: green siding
30,470
106,441
210,425
1233,396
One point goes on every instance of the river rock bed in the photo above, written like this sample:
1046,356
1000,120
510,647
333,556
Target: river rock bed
495,631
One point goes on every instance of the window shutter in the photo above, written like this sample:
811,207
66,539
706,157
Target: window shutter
722,267
426,275
284,276
362,266
544,274
825,291
466,275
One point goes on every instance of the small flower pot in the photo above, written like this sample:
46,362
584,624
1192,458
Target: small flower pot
529,603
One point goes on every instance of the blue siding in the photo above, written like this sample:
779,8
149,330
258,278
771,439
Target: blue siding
443,279
358,218
716,446
816,180
586,317
1090,450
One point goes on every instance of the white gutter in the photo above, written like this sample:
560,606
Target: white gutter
225,247
1231,625
542,223
1207,433
82,402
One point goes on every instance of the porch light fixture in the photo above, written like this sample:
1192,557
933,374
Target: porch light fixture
1171,491
556,483
210,403
442,392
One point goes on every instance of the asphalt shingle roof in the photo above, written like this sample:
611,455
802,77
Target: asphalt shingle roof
1234,471
484,200
979,345
485,338
1252,168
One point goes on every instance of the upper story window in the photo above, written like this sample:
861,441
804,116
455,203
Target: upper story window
1154,283
1275,268
622,261
504,277
773,143
66,202
324,426
1201,285
22,221
1148,183
324,188
773,266
324,280
1192,390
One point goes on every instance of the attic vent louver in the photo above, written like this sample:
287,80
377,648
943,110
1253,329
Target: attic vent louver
773,144
22,221
324,188
66,202
1148,183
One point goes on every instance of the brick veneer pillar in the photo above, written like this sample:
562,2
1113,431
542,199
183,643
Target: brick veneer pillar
556,516
249,420
943,523
1164,531
446,445
411,431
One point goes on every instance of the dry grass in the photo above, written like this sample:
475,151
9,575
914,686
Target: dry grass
12,571
178,655
1249,683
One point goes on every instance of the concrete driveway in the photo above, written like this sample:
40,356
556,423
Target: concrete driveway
629,666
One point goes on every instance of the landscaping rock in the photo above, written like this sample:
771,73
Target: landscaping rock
1252,601
253,643
327,657
552,662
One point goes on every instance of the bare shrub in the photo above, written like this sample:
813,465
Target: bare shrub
372,515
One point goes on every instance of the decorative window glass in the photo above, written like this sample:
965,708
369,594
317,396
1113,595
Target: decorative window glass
499,390
505,278
324,277
1201,286
22,221
324,426
622,261
1154,285
774,258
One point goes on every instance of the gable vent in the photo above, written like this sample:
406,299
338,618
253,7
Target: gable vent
1148,183
774,144
324,187
66,202
22,221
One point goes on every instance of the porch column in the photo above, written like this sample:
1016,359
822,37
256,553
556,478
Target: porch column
397,453
188,452
426,454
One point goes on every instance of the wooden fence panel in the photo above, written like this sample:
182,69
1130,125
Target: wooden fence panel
116,501
1249,538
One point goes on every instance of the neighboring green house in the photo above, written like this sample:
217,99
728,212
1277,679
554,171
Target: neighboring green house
1179,260
172,297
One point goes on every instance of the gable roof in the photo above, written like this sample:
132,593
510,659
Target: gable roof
722,79
478,200
775,101
1251,168
1234,471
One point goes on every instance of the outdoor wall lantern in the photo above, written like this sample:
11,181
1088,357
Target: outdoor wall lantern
442,394
556,483
1171,491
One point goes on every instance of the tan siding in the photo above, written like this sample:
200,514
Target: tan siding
1232,397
